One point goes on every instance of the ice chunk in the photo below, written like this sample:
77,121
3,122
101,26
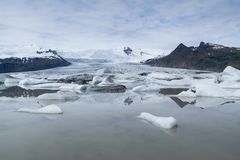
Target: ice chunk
188,93
163,76
96,80
107,81
163,122
103,71
73,87
32,81
230,74
59,96
47,86
231,71
11,82
50,109
211,90
146,88
19,75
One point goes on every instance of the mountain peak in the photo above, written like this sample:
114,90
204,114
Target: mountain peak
181,45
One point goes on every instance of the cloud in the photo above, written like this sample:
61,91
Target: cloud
116,23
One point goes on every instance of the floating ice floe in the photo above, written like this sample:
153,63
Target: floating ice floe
73,87
107,81
162,122
103,71
229,70
96,80
32,81
163,76
53,86
147,88
188,93
11,82
210,90
19,75
60,95
229,78
50,109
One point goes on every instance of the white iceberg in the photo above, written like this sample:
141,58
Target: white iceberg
52,86
11,82
19,75
162,122
107,81
163,76
60,95
103,71
147,88
73,87
229,78
188,93
96,80
210,90
229,74
231,71
50,109
32,81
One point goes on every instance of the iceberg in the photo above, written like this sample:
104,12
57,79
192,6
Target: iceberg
146,88
188,93
32,81
107,81
210,90
50,109
96,80
60,95
162,122
52,86
9,82
73,87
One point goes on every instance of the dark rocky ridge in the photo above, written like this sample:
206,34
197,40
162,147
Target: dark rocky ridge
206,56
32,64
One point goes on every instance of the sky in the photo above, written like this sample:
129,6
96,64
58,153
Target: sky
92,24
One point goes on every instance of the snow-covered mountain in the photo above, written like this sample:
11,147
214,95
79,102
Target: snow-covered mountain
113,55
40,60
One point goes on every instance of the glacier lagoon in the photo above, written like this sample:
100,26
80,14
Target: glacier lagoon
106,125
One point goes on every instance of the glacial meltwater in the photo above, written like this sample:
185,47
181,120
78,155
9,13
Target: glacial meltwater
105,126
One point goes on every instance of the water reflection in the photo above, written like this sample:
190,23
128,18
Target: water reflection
181,103
171,131
201,102
128,101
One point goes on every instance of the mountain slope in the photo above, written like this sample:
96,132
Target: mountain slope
206,56
43,60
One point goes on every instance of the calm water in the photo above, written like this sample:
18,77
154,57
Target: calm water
103,126
106,127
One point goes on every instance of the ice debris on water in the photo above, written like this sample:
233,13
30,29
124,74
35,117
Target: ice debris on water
162,122
50,109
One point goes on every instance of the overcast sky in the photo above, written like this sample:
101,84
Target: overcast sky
116,23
